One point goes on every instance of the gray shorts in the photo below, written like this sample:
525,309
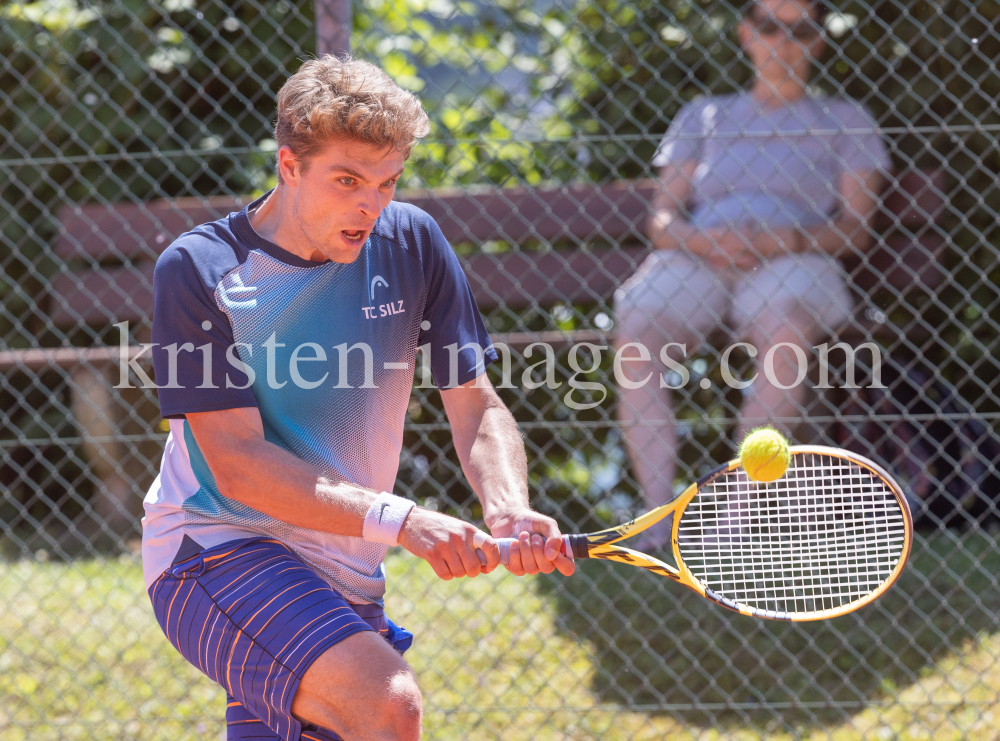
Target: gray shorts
685,298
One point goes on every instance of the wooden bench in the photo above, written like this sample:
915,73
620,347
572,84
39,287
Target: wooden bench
597,232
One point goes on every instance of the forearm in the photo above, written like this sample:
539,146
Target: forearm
837,237
494,462
491,452
271,480
669,230
832,238
276,483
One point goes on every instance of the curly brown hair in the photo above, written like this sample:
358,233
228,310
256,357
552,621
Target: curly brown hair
343,98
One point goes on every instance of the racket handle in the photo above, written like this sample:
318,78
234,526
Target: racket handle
504,545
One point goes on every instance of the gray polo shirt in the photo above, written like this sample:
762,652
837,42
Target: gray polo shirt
773,166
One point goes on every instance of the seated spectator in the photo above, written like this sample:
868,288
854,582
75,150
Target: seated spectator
760,190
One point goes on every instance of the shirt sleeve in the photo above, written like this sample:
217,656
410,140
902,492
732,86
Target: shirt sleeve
859,145
460,346
192,337
682,142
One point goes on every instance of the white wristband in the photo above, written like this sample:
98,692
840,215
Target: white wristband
385,519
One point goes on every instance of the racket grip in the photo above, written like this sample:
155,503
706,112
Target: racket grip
504,545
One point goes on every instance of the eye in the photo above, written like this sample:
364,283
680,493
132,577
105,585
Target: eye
346,180
805,31
390,183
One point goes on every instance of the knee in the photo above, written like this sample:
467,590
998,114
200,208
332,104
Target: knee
391,712
651,326
382,706
404,706
783,324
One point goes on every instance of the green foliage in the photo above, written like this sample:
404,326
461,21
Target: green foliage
128,101
453,55
120,101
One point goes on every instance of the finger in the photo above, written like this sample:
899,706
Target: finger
527,554
515,566
440,567
470,561
487,550
566,566
538,551
454,561
555,545
557,549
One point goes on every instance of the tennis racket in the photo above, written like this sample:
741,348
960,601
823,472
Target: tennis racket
830,536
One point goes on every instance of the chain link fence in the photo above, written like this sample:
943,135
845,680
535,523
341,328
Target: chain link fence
126,122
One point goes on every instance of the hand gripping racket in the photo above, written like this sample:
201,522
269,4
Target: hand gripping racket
830,536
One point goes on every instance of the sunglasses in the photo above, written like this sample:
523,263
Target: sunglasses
804,30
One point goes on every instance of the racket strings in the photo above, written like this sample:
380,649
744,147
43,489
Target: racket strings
827,534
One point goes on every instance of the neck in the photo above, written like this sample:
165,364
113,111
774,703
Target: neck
778,94
274,221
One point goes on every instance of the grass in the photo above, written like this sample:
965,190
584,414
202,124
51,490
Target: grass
81,657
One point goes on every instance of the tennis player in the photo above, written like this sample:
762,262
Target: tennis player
286,346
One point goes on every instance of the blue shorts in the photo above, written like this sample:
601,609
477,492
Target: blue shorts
253,617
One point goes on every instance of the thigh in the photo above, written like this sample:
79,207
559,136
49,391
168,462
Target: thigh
804,296
254,618
242,725
672,297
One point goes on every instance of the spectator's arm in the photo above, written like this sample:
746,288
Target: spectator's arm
851,229
669,230
666,226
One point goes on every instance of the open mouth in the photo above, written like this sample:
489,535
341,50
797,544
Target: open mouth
354,235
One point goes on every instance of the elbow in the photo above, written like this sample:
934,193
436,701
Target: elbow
653,227
227,484
229,472
659,225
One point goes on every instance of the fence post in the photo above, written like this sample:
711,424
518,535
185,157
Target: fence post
333,27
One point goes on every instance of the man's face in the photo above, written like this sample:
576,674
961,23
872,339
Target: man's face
339,194
781,37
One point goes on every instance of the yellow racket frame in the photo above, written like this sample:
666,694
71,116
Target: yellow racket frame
602,544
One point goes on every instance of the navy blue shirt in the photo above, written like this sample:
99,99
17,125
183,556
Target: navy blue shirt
325,351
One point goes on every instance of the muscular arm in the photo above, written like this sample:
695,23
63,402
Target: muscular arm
259,474
271,480
491,452
489,447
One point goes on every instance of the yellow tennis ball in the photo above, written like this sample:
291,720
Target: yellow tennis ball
765,455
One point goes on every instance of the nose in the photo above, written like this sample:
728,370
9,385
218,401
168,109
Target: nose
370,202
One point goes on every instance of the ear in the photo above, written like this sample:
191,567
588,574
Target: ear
289,166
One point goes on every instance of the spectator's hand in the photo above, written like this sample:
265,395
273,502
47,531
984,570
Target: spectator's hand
768,243
724,248
538,546
750,258
448,544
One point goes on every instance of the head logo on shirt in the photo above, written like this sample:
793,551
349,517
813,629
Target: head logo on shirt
378,280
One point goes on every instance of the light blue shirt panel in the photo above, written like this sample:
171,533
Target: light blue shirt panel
355,433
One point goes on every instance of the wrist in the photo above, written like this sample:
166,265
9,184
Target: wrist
700,241
504,516
385,519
